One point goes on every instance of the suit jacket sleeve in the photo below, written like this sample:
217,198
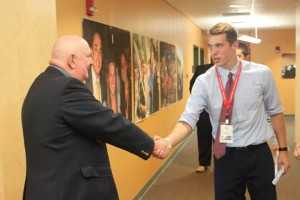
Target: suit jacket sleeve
89,117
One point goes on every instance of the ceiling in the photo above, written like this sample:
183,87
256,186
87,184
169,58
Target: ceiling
260,14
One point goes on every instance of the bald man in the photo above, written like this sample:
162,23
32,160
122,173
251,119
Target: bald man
66,130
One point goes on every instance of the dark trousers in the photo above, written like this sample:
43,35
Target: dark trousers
204,136
251,167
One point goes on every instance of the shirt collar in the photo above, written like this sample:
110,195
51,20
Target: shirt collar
224,72
61,70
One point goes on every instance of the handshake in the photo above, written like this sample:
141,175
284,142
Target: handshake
161,147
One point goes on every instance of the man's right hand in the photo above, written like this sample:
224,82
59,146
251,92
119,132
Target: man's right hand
161,148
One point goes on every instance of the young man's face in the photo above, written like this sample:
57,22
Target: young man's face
222,53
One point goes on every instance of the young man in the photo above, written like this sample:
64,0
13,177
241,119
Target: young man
238,113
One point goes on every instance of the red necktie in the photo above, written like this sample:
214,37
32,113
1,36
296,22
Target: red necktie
220,148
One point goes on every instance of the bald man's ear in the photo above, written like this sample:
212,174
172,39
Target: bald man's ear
72,61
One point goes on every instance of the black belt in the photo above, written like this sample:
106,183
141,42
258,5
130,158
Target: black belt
247,147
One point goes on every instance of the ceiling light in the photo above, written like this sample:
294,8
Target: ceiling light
236,14
250,39
247,38
235,6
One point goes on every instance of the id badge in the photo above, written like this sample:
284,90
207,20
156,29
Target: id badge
226,133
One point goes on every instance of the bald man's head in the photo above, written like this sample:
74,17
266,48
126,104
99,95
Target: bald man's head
65,46
73,54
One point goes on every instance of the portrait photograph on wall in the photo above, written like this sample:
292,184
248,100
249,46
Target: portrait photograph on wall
288,68
288,71
146,81
168,74
179,64
109,77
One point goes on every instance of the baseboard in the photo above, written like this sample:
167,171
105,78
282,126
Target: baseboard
289,116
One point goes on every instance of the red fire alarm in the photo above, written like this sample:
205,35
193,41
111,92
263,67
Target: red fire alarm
90,8
277,49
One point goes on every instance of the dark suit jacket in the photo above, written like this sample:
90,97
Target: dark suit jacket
200,69
65,130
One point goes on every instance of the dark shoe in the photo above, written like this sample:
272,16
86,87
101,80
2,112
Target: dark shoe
201,169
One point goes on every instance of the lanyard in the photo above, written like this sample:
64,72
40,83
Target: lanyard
228,102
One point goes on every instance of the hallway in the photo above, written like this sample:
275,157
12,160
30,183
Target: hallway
179,181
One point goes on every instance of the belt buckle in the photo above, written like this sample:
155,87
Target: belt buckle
241,148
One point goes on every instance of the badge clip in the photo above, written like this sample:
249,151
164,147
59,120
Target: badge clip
226,121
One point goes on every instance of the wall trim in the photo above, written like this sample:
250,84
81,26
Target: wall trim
289,116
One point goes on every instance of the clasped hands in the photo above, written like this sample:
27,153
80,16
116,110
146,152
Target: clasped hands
161,147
